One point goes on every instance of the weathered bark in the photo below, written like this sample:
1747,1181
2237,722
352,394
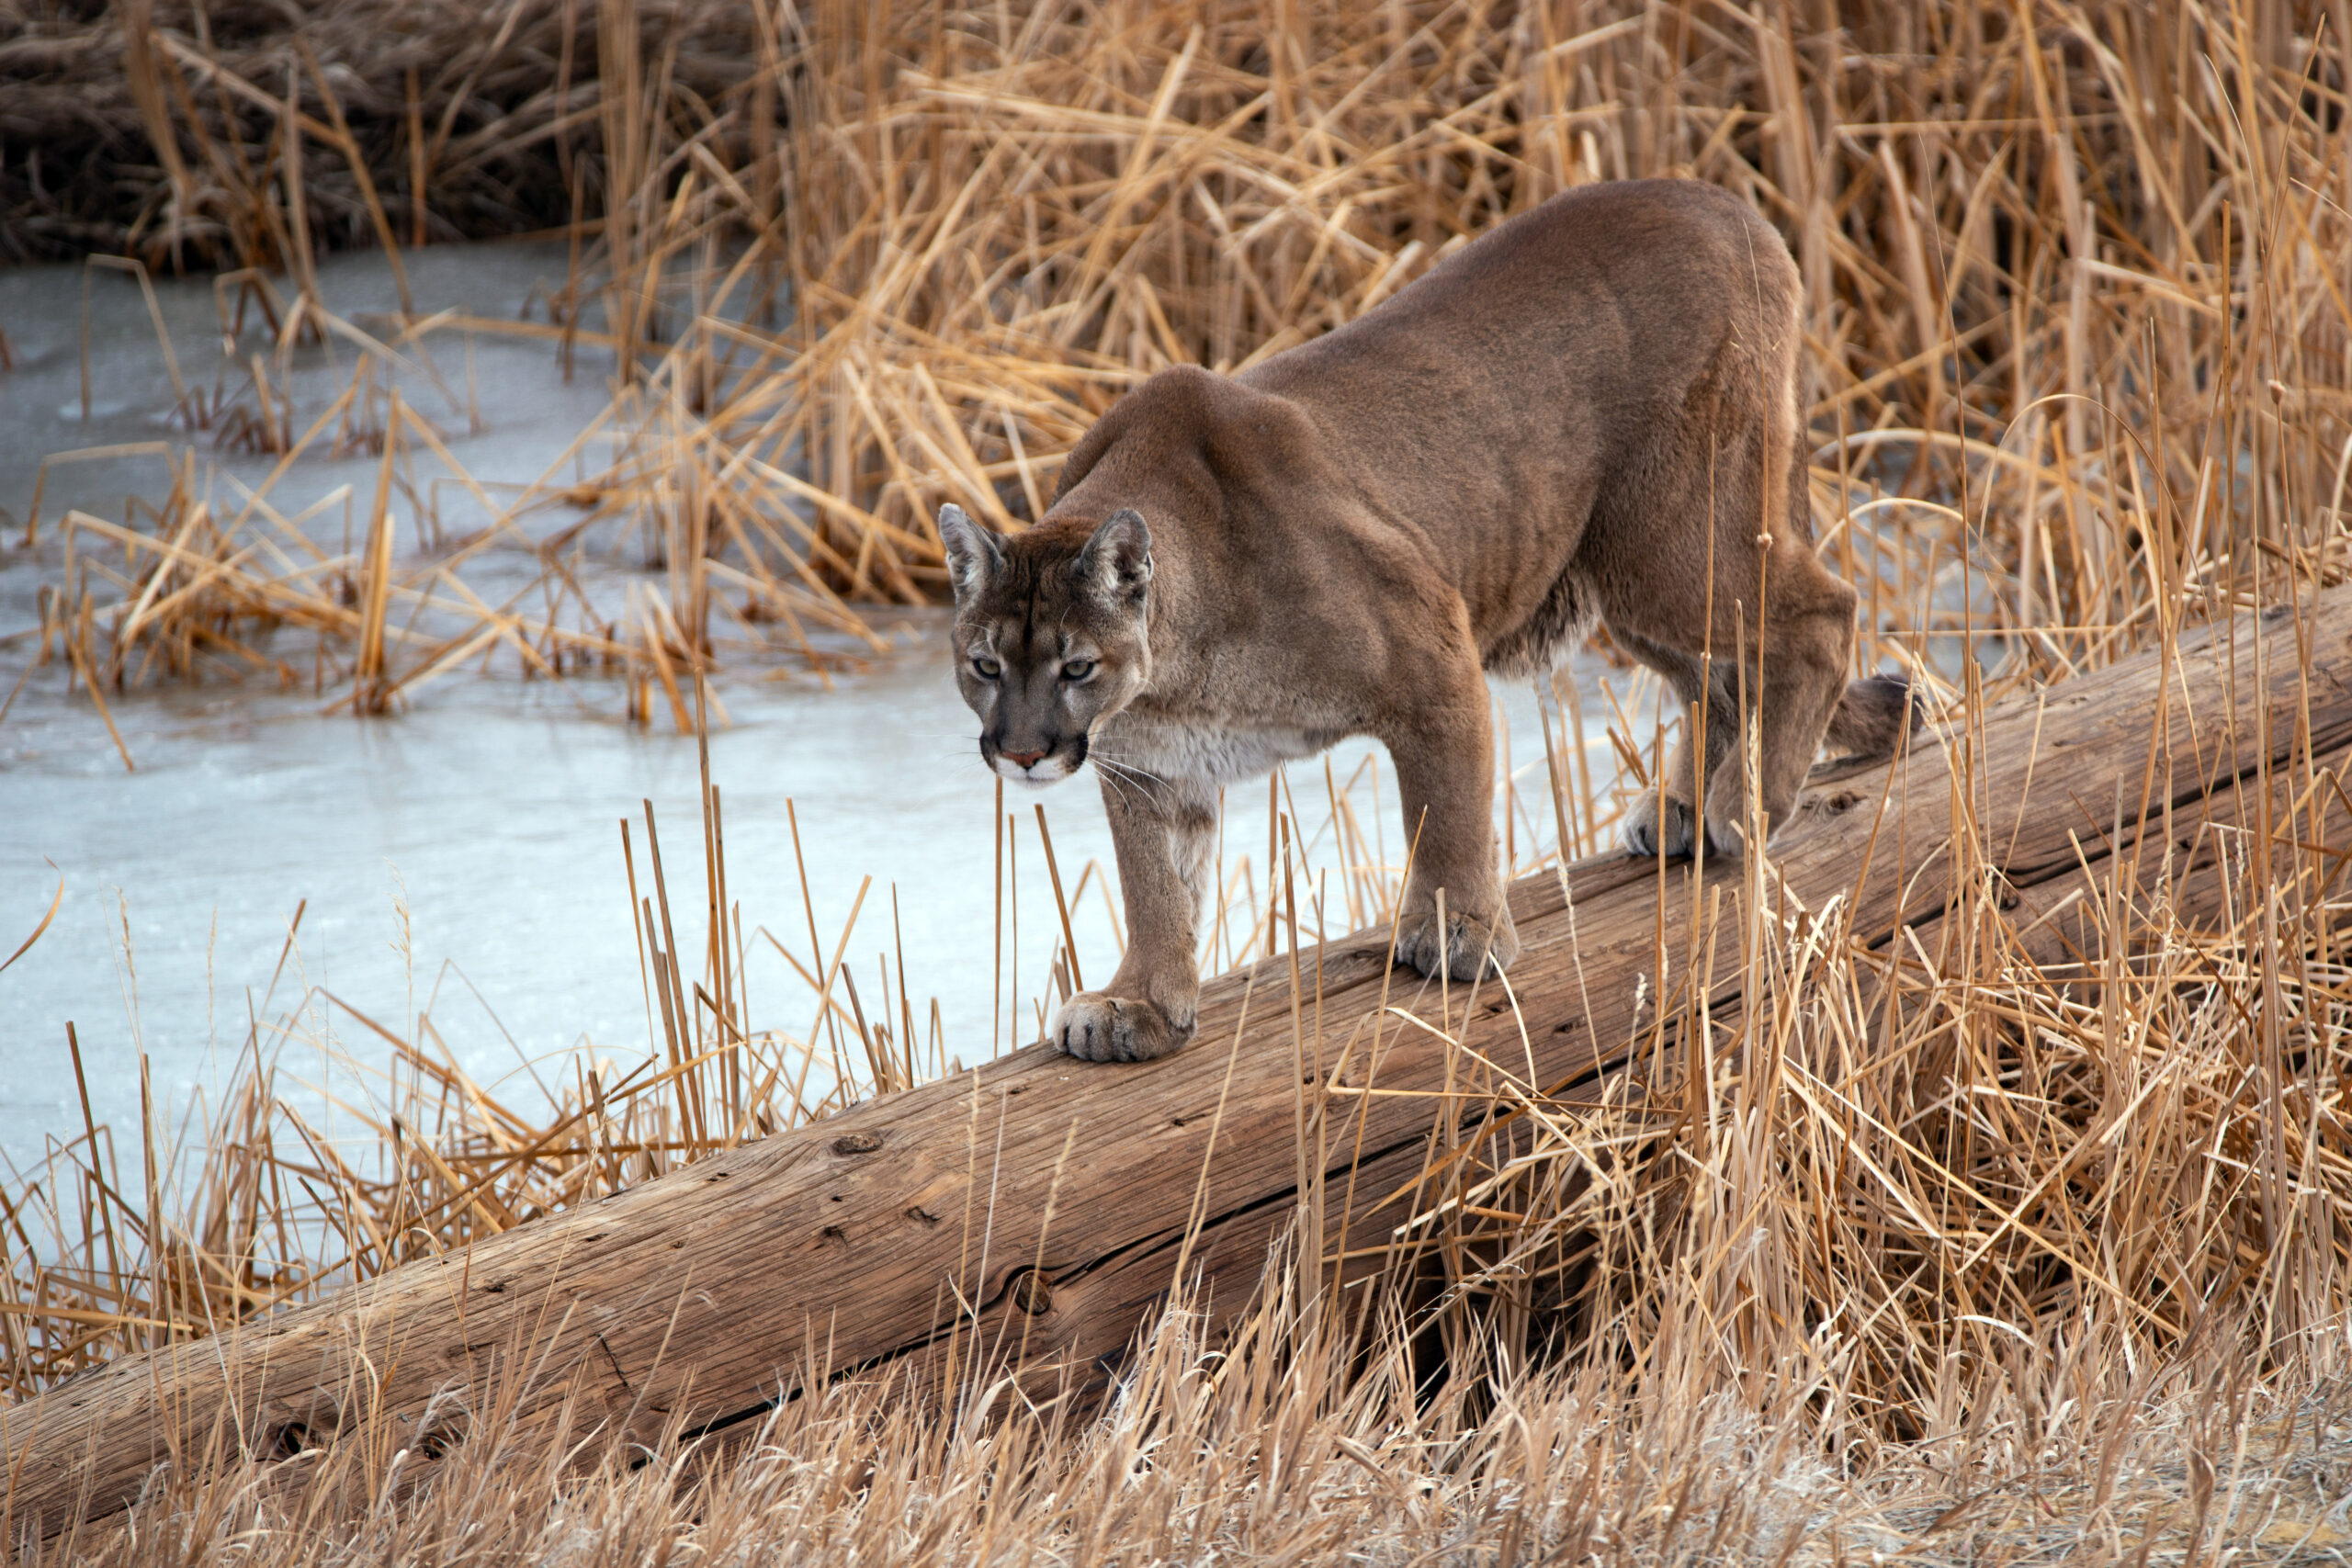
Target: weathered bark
1061,1199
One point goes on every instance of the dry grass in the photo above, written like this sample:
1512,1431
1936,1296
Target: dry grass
187,587
2073,307
1961,1249
1286,1446
2071,243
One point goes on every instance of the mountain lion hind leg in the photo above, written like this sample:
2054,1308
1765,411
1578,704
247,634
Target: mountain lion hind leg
1872,718
1664,820
1773,682
1443,749
1794,683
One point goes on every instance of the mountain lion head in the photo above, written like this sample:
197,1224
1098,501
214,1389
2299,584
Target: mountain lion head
1049,635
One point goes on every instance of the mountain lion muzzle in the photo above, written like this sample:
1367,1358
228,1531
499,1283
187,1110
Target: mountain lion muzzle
1574,420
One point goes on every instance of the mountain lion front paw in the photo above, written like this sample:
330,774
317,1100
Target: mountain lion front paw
1465,946
1095,1026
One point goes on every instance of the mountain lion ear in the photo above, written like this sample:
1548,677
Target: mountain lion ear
1117,559
972,556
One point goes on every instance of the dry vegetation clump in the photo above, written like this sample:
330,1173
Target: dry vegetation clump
1291,1446
2038,245
2022,1239
193,585
2076,315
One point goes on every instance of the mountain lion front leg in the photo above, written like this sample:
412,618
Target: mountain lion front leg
1444,753
1163,831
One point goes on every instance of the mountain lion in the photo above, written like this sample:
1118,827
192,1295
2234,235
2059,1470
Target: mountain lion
1587,415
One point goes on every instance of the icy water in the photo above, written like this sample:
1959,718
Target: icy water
462,859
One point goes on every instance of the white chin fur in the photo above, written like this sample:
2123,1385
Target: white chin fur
1051,771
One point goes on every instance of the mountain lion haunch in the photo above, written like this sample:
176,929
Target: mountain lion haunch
1572,419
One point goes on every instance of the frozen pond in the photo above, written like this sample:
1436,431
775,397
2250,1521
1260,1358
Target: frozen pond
463,858
466,858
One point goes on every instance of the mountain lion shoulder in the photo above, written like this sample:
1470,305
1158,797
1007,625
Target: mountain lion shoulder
1572,420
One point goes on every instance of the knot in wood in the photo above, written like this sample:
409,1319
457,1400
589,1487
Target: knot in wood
1032,1294
857,1142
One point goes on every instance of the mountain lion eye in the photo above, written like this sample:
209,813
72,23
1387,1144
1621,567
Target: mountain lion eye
1078,670
986,669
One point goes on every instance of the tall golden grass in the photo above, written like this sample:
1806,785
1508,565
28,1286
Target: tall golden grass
2032,251
1987,1257
904,254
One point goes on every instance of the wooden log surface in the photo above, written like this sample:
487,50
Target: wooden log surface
1057,1200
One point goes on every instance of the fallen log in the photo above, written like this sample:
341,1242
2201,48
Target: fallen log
1046,1206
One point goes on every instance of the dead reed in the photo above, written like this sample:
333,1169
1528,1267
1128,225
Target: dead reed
193,585
2042,262
1284,1445
159,130
1985,1245
1991,1245
2033,250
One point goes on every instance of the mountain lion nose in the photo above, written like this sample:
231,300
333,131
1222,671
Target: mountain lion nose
1021,759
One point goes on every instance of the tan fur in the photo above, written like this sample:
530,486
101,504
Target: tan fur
1589,414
